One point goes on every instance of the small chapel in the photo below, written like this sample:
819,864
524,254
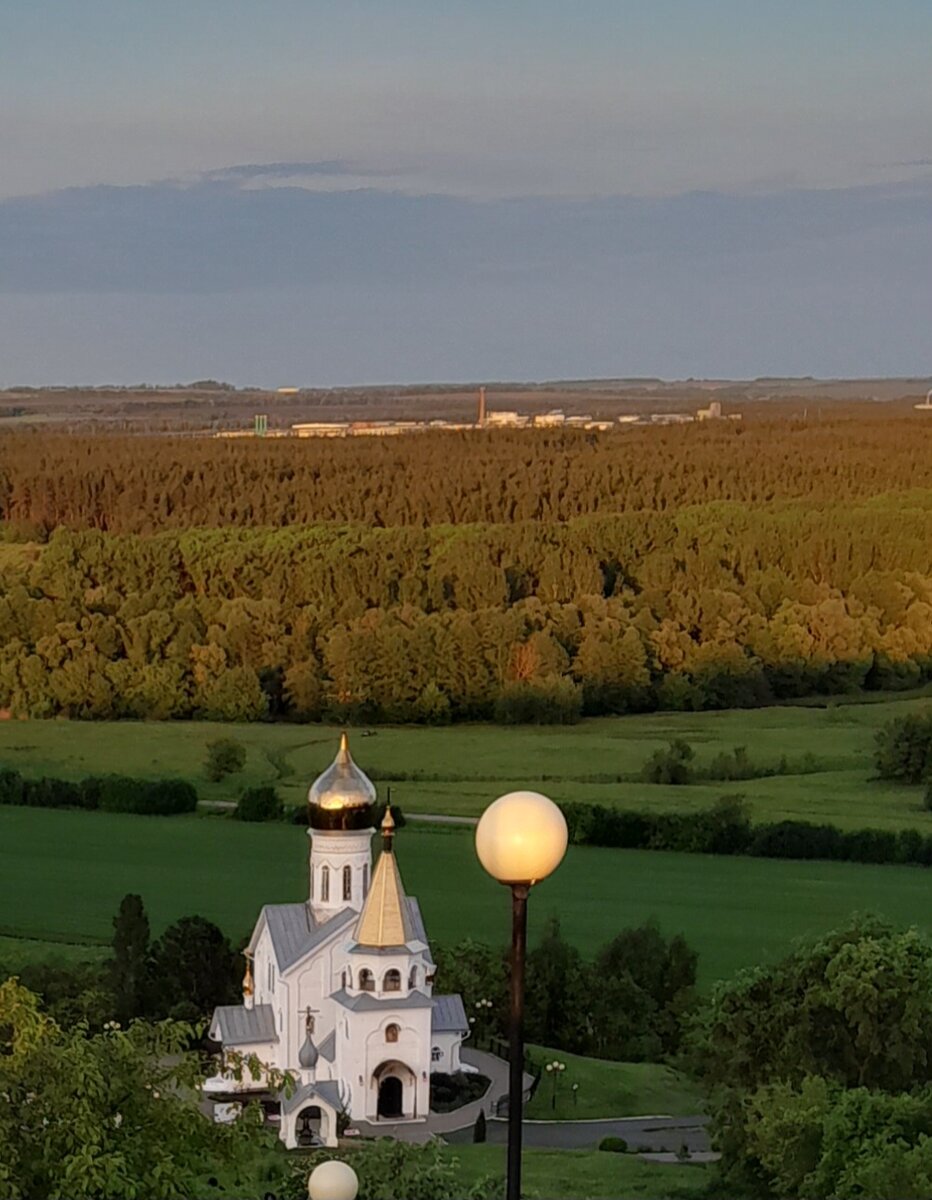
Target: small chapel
338,989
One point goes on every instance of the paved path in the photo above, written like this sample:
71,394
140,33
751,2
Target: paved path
657,1135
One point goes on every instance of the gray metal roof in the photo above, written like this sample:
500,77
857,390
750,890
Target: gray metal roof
417,921
328,1091
328,1047
449,1015
241,1026
366,1002
295,933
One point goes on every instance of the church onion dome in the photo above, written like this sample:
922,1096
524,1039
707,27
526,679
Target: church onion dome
343,797
308,1054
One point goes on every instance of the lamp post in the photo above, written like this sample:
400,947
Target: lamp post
520,840
555,1069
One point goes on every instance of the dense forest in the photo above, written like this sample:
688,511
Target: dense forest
713,605
149,484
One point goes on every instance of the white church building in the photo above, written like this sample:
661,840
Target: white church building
338,990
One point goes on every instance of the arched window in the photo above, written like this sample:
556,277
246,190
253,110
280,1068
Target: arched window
391,1033
343,980
347,883
325,884
366,980
436,1054
412,978
392,981
365,880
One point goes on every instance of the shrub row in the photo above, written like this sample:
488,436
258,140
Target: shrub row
726,828
108,793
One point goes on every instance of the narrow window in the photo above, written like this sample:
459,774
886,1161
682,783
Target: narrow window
325,884
347,883
436,1054
365,881
412,978
392,981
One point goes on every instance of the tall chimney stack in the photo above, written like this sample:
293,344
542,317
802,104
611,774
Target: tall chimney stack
481,420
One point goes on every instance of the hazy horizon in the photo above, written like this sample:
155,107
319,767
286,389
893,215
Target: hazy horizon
674,189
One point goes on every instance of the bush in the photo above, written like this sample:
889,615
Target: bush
259,804
552,701
904,749
166,797
448,1092
927,798
614,1145
224,757
671,765
11,787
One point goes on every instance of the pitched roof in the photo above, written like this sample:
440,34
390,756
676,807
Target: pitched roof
328,1047
385,919
295,933
239,1026
327,1090
366,1002
448,1015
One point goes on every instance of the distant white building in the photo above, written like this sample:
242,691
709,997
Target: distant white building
338,989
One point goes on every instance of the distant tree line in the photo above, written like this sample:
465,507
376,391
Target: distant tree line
716,606
109,793
726,828
135,485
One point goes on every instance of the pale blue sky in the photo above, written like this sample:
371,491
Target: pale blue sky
811,120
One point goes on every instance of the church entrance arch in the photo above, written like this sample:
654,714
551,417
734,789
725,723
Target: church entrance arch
307,1127
391,1092
395,1087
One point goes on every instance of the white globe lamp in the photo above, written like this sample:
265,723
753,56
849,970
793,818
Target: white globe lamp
333,1181
521,838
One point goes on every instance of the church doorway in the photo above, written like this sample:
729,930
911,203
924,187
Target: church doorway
390,1096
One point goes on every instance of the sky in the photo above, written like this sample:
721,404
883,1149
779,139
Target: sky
343,191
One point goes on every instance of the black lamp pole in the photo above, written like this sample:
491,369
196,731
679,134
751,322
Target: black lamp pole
519,895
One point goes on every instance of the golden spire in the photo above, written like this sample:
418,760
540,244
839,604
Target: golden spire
247,979
384,920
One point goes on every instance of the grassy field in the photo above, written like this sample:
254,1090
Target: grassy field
609,1089
582,1174
460,769
63,873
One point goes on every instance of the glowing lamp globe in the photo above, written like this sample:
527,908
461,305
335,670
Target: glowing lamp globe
521,838
333,1181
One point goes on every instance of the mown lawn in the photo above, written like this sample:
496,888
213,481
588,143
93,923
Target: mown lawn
63,873
460,769
582,1174
609,1089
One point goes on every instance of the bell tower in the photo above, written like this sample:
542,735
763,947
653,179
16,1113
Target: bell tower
341,809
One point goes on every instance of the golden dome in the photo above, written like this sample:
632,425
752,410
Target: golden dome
343,797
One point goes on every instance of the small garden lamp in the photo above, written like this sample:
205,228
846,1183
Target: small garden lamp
520,840
333,1180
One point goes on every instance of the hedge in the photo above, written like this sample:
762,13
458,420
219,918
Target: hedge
726,828
108,793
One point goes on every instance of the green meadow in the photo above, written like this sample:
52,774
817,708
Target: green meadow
460,769
63,873
583,1174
